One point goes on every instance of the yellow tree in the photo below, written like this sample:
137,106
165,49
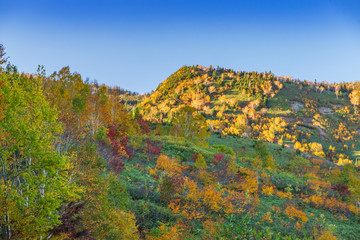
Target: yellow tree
355,98
91,119
317,149
337,91
68,93
341,133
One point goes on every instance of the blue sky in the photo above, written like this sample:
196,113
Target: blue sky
137,44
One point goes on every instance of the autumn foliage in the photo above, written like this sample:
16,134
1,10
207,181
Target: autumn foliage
211,154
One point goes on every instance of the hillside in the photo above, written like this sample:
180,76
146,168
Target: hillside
211,154
265,107
310,130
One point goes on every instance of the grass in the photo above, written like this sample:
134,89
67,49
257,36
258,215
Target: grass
151,212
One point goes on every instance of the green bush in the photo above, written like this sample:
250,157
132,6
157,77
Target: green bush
284,181
177,147
118,195
222,149
149,215
260,148
297,164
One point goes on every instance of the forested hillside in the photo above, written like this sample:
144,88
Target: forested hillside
317,118
210,154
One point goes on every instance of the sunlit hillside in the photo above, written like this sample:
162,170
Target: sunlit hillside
317,118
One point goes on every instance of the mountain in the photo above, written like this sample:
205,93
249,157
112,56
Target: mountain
297,114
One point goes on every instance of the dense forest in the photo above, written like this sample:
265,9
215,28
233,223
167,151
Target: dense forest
212,153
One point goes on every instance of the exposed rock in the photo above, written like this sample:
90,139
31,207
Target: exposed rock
310,122
296,106
326,110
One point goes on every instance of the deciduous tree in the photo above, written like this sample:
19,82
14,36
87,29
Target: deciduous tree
190,125
34,177
355,98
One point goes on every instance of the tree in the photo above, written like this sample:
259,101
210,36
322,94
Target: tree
341,133
200,162
317,149
337,91
269,161
68,93
191,125
34,177
103,205
355,98
3,59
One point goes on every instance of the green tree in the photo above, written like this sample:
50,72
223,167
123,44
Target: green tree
191,125
269,161
34,177
200,162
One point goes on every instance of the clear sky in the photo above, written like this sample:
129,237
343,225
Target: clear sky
137,44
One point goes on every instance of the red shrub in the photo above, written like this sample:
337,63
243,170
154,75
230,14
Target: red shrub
341,189
153,148
119,142
218,158
144,125
116,164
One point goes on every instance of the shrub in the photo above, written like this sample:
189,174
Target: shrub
223,149
268,190
292,212
283,180
257,164
218,159
326,235
116,164
170,165
297,164
153,148
260,148
269,161
341,189
200,162
167,188
149,215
